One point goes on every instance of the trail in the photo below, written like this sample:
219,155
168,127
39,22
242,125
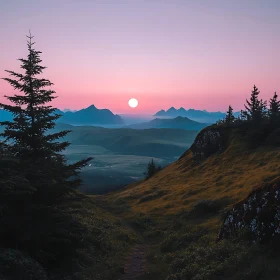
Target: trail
136,264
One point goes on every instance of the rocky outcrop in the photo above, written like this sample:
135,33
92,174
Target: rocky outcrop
258,214
210,140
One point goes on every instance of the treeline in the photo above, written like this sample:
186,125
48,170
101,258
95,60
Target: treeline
259,121
256,111
34,176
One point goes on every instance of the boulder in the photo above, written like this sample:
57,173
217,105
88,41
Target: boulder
258,214
210,140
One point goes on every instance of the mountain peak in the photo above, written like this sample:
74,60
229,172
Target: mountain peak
171,109
91,107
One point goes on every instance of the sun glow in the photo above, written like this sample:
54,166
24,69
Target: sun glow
133,102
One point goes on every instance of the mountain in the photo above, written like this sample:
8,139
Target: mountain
178,123
5,115
197,115
91,115
87,116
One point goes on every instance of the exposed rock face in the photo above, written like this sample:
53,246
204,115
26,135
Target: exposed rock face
210,140
258,214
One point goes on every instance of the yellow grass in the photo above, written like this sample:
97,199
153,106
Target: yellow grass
233,173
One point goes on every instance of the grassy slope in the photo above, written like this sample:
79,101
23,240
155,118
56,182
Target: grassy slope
233,174
104,240
75,239
171,212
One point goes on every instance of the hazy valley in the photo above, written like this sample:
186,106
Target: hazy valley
121,147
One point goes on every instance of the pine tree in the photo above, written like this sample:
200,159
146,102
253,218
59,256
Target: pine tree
152,169
27,135
274,108
229,118
255,108
243,115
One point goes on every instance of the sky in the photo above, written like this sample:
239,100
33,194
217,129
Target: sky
203,54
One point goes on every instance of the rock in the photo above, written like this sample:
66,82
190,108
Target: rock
258,214
210,140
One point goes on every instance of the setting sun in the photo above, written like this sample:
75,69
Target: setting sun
133,102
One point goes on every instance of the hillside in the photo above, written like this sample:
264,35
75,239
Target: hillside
148,142
193,114
176,123
181,209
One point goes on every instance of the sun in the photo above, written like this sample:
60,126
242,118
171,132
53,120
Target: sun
133,102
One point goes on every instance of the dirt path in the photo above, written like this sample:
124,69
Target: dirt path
136,264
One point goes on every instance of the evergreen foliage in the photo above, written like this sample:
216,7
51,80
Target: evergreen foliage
152,169
229,118
38,151
255,108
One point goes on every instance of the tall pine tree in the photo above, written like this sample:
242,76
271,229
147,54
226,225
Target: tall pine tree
28,136
229,118
255,108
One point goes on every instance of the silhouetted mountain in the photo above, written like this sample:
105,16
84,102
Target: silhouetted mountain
5,115
90,115
179,123
197,115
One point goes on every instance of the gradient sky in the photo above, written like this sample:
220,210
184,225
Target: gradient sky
202,54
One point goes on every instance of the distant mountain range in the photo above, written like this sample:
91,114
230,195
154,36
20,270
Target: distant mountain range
196,115
178,123
88,116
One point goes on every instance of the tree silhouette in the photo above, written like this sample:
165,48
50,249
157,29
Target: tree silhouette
152,169
27,135
229,118
255,108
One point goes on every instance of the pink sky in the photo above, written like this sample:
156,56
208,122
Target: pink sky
191,54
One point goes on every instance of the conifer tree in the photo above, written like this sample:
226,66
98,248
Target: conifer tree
255,108
229,118
274,108
28,136
243,115
152,169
